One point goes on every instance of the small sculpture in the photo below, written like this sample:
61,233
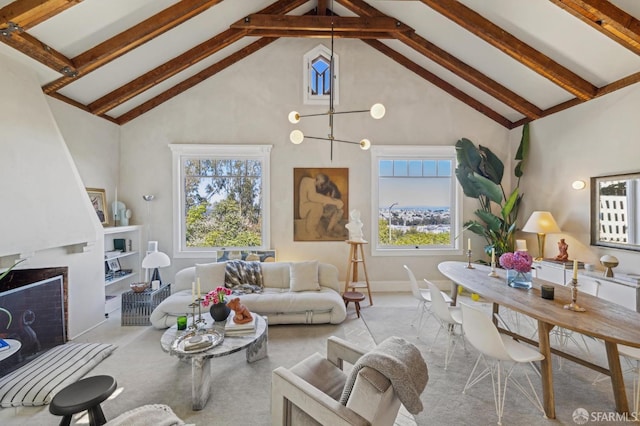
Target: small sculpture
355,226
242,314
563,254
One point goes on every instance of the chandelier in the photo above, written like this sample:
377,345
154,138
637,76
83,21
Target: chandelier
377,111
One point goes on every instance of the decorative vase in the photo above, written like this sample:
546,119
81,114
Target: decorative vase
219,312
517,279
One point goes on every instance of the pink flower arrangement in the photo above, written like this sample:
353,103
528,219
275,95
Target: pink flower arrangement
216,296
520,261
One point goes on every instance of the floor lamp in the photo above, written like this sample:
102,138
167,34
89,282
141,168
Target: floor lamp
541,223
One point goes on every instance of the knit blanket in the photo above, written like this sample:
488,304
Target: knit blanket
147,415
243,277
400,362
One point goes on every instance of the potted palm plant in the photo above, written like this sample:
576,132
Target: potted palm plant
480,174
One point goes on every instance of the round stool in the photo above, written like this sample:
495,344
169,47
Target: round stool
355,297
85,394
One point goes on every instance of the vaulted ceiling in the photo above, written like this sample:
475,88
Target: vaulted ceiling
513,61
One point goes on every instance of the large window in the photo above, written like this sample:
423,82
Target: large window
415,200
221,198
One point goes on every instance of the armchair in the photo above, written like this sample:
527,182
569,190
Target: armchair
317,391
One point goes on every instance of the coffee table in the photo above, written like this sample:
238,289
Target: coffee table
255,343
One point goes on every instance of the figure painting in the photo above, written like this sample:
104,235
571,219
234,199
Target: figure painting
320,204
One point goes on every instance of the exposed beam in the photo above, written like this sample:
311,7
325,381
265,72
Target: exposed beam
319,34
39,51
437,81
135,36
497,37
29,13
182,62
196,79
608,19
453,64
319,23
322,7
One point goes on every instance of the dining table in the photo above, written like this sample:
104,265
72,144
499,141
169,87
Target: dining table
612,323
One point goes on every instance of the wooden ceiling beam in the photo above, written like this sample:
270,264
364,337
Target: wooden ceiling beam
452,64
320,34
182,62
322,7
194,80
29,13
319,23
438,82
606,18
39,51
135,36
486,30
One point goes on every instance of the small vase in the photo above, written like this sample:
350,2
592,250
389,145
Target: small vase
219,312
517,279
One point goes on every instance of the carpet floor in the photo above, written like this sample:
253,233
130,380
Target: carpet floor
446,405
240,392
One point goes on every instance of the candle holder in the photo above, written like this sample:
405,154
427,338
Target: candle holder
573,306
469,265
493,272
193,325
195,322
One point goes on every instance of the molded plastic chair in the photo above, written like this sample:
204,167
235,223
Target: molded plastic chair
423,296
449,317
495,349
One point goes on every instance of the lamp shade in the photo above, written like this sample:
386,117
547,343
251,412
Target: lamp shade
155,259
541,223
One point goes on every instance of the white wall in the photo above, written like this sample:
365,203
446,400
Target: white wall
249,103
597,138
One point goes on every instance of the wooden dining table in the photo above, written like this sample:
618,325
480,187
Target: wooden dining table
608,321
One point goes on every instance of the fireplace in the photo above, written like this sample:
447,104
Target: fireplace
33,311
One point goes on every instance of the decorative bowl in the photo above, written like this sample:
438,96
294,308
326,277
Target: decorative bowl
609,262
139,287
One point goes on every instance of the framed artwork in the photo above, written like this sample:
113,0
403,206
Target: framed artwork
98,199
113,264
320,204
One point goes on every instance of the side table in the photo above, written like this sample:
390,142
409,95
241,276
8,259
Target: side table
356,256
137,307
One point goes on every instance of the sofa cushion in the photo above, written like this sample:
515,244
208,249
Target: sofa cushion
211,275
304,276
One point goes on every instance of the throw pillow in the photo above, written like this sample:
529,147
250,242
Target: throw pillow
304,276
211,275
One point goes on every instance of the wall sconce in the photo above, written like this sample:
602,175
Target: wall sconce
578,184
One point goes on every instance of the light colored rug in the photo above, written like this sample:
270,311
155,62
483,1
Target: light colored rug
443,399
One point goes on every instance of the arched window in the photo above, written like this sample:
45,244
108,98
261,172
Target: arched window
317,81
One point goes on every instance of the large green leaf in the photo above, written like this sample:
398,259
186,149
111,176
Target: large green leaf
463,174
467,154
491,166
493,222
476,227
523,151
510,204
486,187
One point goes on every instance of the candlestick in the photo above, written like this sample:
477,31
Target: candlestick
468,243
493,255
199,288
575,269
469,265
573,306
193,291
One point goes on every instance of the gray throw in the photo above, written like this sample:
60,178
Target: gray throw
400,362
243,276
147,415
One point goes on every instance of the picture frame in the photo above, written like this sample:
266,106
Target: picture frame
98,198
113,264
320,203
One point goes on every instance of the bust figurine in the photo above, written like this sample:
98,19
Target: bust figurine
355,226
563,254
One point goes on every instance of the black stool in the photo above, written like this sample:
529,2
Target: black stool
85,394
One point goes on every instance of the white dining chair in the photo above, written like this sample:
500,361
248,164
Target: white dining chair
450,319
496,349
423,296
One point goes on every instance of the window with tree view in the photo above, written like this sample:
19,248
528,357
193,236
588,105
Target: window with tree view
221,197
416,199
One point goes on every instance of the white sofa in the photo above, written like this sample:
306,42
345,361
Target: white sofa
283,300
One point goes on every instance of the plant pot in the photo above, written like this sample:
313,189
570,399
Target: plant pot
219,312
517,279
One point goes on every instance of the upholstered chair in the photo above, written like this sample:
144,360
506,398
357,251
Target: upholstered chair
317,391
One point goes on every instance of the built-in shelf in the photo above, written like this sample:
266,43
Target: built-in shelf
124,257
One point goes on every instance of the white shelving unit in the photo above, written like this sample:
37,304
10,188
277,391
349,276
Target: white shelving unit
128,260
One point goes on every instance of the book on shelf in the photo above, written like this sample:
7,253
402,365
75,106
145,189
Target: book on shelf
233,329
4,345
112,253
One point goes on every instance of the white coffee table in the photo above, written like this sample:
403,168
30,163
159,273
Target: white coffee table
255,343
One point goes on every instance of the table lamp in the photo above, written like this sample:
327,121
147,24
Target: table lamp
154,260
541,223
